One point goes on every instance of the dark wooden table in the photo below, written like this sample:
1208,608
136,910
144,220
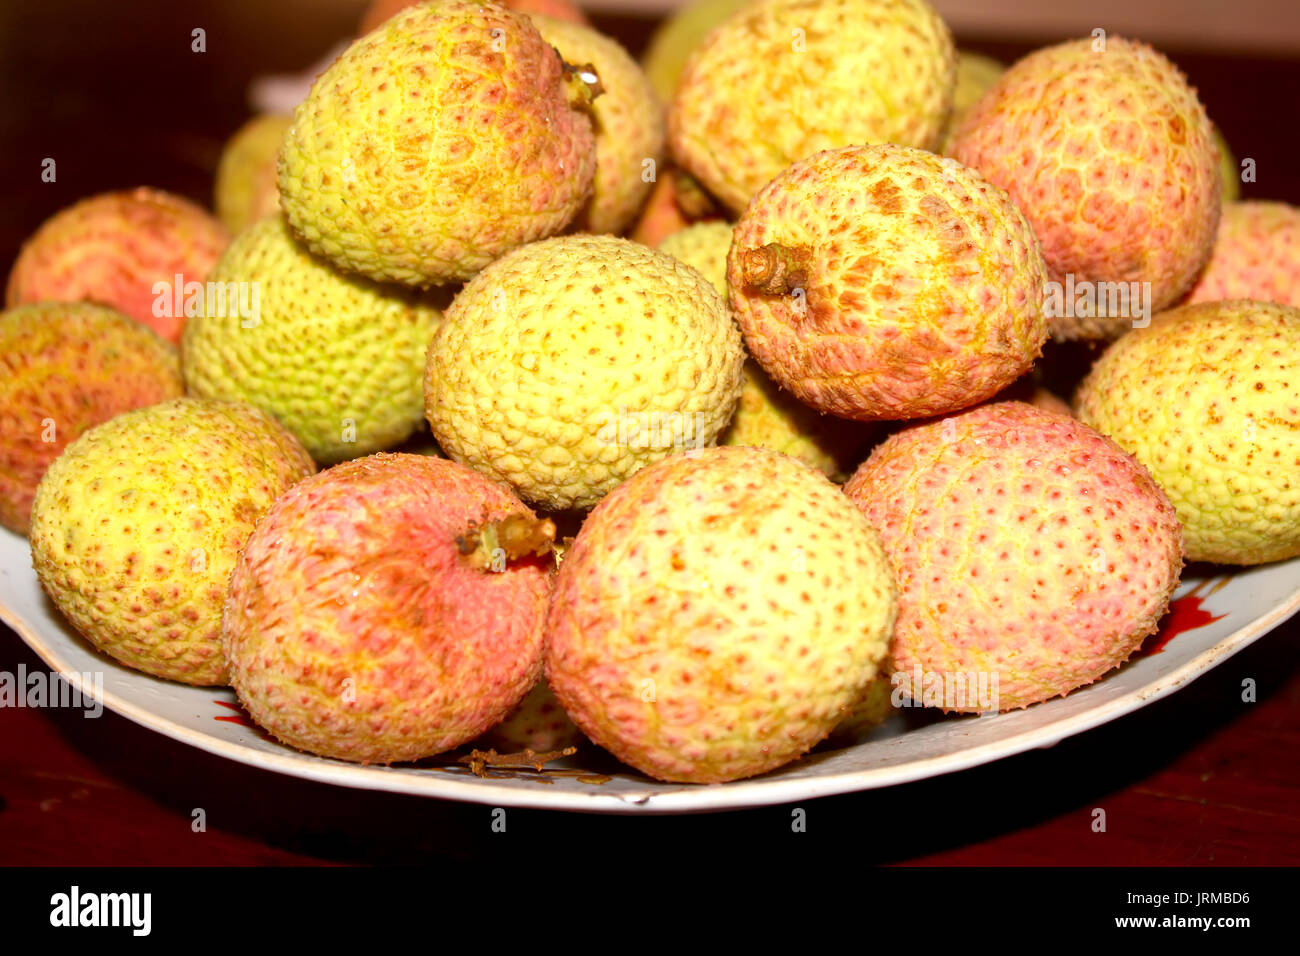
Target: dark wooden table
115,94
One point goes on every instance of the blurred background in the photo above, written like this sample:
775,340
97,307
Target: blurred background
116,96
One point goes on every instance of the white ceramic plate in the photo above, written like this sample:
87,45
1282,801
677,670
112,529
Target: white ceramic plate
1231,611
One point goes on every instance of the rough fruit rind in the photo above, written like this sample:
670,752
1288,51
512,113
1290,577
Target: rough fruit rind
568,365
64,368
1026,547
783,79
883,282
337,359
1256,256
246,188
717,615
356,628
435,144
137,525
1205,397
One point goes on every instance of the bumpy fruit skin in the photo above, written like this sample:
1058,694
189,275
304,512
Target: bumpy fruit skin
112,249
676,38
628,123
766,416
717,615
1206,398
355,627
874,707
381,10
137,525
1110,155
784,79
538,724
246,189
660,215
64,368
1256,256
569,364
883,282
435,144
1027,548
337,359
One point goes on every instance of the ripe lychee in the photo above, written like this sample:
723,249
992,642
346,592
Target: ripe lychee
784,79
246,189
883,282
1032,554
124,250
136,527
1206,398
976,74
1105,147
765,415
65,367
380,612
627,120
436,143
717,615
538,724
337,359
676,38
569,364
1256,256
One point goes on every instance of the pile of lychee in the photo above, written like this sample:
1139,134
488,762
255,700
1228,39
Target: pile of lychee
523,395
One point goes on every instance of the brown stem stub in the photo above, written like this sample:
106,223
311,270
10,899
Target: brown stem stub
584,74
774,269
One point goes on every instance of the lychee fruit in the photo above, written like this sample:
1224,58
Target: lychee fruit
136,526
883,282
382,612
337,359
976,74
627,120
717,615
538,724
1206,398
1256,256
436,143
765,415
126,250
569,364
668,207
246,189
65,367
1105,147
1229,171
677,36
1032,554
784,79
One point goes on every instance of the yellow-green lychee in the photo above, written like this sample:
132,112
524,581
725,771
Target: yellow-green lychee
884,282
136,527
447,136
627,120
718,614
538,724
677,36
783,79
368,618
765,415
1106,148
337,359
1256,255
64,368
246,188
1206,398
1229,171
976,74
568,365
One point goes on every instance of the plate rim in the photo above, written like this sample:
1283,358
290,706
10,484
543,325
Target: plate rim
685,798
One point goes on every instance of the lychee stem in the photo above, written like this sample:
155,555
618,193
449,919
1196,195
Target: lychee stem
480,760
774,269
582,81
490,544
692,198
